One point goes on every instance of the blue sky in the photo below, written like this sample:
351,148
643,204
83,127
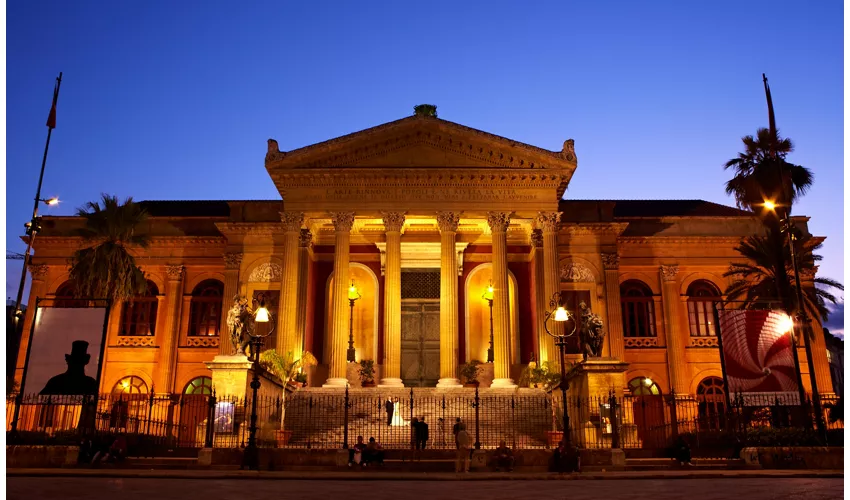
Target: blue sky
175,100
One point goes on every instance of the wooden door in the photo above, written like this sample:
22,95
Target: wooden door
420,342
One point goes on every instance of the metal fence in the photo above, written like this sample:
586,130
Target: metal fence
524,419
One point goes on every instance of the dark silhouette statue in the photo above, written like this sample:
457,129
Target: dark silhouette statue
74,381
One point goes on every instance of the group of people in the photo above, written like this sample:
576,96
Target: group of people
363,455
102,450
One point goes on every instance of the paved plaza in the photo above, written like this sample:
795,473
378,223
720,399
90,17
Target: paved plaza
211,489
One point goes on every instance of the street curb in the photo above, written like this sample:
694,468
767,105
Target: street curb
381,476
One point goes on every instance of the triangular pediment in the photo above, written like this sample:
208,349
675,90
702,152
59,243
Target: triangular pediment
420,142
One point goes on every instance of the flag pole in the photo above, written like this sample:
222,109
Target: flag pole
31,232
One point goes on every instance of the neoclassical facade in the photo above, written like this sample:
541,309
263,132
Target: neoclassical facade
421,215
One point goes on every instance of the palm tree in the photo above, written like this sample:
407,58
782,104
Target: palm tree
285,368
755,282
105,267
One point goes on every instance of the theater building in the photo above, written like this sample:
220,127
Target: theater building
421,215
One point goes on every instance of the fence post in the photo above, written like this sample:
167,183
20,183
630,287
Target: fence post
674,416
345,405
615,421
476,405
208,443
310,423
513,422
412,437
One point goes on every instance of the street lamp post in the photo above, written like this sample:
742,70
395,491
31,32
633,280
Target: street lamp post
251,459
558,313
353,296
488,296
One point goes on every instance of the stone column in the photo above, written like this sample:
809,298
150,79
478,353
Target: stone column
304,242
447,222
232,262
818,343
393,222
550,222
541,301
611,263
343,222
38,288
288,339
675,341
168,344
499,222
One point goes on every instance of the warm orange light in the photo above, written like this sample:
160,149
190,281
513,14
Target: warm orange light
53,201
770,205
647,381
262,314
561,314
353,293
786,323
488,293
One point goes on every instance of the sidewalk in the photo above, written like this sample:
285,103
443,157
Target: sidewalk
347,475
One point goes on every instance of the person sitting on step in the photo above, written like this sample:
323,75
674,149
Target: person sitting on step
374,454
503,457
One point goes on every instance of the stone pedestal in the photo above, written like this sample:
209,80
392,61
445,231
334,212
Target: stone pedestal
597,378
231,375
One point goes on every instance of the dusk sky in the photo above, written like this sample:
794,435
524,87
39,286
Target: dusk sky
175,100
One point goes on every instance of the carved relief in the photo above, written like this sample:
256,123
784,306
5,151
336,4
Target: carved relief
136,341
292,221
38,271
499,221
611,260
342,221
265,273
638,342
202,342
174,273
548,221
448,221
668,273
274,152
306,238
569,150
232,260
577,273
393,221
537,238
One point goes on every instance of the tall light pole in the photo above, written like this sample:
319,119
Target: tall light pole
558,313
251,459
353,296
488,296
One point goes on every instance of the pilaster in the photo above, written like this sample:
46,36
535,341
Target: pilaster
232,263
675,340
170,335
611,263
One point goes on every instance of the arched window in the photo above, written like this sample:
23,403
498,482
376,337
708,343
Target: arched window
65,296
638,309
131,385
129,402
199,386
703,298
711,400
644,386
138,317
205,309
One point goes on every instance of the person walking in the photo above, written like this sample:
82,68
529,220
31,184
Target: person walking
464,441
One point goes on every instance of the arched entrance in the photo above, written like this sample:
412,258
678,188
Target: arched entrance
477,331
648,412
193,410
364,322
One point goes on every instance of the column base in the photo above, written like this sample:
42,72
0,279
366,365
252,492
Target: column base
503,383
336,383
391,382
448,383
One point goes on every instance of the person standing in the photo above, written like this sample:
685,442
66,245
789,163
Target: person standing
456,429
389,407
421,433
464,441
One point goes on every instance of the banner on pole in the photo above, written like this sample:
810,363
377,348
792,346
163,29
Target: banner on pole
758,354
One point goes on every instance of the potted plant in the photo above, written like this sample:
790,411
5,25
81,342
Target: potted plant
470,373
367,373
287,369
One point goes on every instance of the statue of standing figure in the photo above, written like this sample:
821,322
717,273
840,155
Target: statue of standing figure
591,333
240,321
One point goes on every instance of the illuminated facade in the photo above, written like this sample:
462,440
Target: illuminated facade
422,215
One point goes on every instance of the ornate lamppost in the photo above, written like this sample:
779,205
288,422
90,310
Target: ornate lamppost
488,296
251,459
558,313
353,296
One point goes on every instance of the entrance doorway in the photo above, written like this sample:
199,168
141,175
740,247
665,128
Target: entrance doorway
420,342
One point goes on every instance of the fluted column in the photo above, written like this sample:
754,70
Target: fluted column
549,222
499,222
393,222
675,341
232,262
288,339
541,301
168,341
447,222
38,288
304,242
343,222
611,263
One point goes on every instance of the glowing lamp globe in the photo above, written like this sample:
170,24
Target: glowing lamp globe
786,323
488,293
262,314
353,293
770,205
561,314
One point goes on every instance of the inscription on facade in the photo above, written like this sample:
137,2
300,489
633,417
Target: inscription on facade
424,194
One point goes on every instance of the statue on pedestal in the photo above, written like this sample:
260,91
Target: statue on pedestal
591,333
240,321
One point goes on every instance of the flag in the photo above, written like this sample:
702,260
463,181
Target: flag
51,118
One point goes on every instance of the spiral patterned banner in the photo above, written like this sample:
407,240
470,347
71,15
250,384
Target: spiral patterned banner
758,354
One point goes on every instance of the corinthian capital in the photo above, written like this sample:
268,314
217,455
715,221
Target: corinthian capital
668,273
448,221
232,260
306,238
292,221
38,271
611,260
393,221
548,221
342,221
175,273
536,238
499,221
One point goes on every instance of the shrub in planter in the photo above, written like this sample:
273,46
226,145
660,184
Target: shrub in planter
470,373
367,372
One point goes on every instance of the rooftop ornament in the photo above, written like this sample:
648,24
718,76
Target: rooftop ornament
425,110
